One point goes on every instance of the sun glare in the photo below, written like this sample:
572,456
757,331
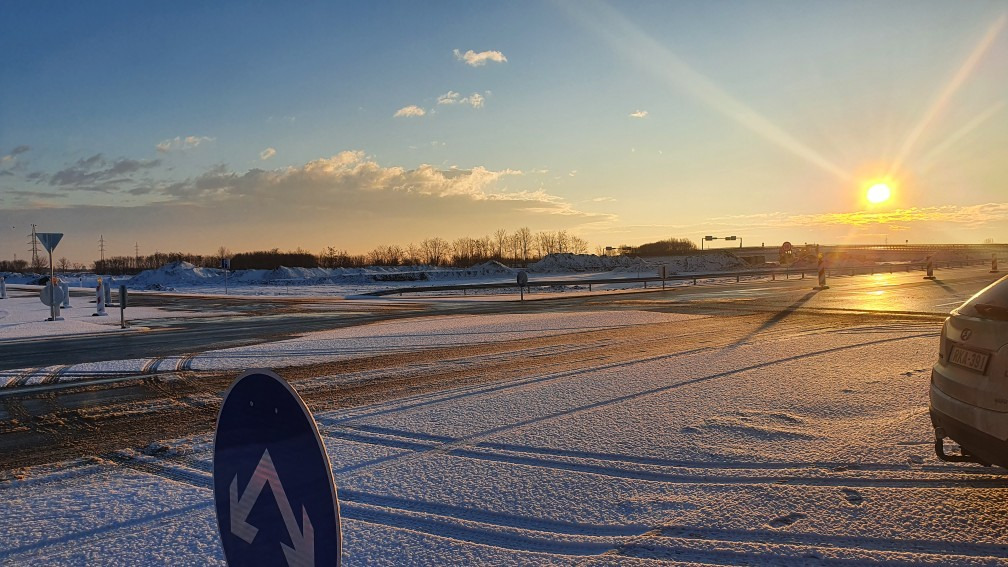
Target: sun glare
878,193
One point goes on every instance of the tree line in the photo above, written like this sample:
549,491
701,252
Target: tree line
516,248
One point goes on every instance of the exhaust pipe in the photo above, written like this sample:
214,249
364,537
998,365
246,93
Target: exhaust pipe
961,458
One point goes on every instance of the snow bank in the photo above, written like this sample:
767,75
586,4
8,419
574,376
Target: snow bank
175,273
717,261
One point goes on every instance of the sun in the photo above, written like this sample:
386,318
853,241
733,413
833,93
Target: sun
878,193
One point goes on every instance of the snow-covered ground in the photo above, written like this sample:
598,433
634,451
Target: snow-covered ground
327,346
809,449
23,316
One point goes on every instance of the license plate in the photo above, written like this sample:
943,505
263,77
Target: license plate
969,358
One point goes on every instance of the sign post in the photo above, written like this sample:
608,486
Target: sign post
522,282
52,295
266,436
122,306
49,241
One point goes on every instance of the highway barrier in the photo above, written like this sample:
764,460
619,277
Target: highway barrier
722,277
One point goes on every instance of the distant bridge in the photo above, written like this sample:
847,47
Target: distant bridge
759,254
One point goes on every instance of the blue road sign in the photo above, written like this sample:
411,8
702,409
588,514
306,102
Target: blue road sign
49,240
266,437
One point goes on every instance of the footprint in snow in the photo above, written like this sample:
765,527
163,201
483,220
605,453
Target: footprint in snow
786,520
853,496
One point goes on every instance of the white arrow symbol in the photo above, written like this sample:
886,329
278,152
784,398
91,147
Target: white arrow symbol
303,552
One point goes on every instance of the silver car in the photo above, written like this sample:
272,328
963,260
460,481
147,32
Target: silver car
969,383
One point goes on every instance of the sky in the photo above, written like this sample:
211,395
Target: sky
256,125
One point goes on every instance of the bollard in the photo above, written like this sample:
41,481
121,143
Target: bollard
822,275
3,287
994,268
930,269
66,294
107,289
100,299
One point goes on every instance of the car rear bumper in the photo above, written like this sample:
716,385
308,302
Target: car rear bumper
981,445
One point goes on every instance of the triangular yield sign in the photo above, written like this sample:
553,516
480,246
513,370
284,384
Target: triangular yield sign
49,239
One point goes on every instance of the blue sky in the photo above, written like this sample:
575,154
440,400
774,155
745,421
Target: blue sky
260,125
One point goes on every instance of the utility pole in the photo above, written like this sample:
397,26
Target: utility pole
34,246
101,250
136,247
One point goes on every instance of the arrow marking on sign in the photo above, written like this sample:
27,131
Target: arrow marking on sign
303,552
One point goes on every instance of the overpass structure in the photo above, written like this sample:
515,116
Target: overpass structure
879,252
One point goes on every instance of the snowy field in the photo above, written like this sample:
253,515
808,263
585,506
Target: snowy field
809,449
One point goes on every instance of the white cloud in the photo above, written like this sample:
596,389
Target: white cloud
180,143
450,97
267,153
474,59
408,111
475,100
639,114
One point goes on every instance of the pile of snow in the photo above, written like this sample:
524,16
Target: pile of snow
567,262
491,268
718,261
175,273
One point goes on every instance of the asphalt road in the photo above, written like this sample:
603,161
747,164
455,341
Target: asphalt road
255,320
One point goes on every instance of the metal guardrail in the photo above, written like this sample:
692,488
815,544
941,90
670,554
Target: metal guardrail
771,273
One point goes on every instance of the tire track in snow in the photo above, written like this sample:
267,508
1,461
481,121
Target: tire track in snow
463,442
483,527
692,541
582,463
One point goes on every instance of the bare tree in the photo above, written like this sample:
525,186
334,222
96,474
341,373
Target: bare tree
62,264
434,251
223,254
578,245
501,238
524,235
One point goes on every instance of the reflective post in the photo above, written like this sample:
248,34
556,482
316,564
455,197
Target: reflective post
3,287
100,300
822,274
66,293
